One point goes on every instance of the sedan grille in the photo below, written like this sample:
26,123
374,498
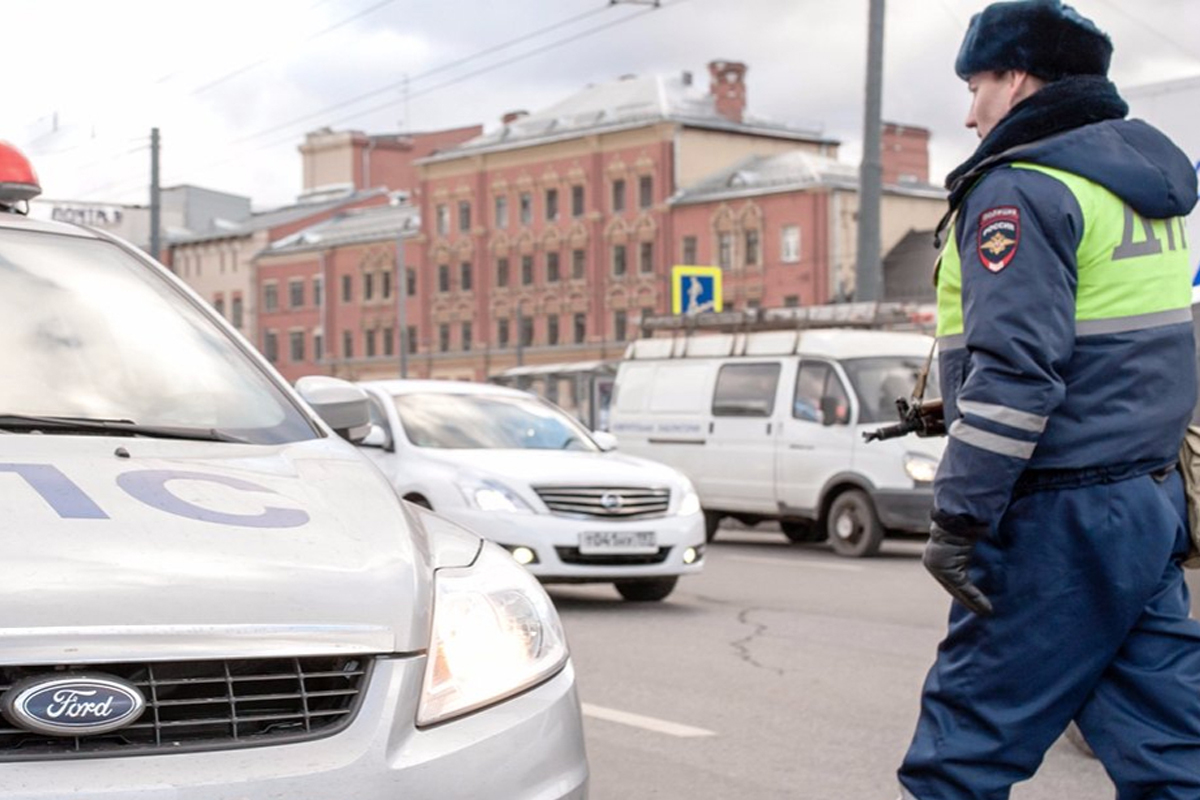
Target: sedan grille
209,705
605,502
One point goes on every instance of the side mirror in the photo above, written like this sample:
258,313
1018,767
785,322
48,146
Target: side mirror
342,405
605,439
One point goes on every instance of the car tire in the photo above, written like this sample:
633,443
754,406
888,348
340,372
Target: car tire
852,526
646,590
800,531
712,523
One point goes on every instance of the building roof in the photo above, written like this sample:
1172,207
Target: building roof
264,220
353,226
786,172
629,102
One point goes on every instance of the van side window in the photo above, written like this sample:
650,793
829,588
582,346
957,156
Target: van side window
818,387
746,390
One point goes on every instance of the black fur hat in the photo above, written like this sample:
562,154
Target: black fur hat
1042,37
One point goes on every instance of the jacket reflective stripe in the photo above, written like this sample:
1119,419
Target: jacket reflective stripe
955,341
1138,322
1012,417
992,442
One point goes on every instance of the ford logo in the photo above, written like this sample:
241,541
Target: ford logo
72,705
611,501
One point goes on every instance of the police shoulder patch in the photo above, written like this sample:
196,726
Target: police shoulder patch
999,235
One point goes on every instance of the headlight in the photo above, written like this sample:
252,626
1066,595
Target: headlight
495,633
690,502
921,469
492,496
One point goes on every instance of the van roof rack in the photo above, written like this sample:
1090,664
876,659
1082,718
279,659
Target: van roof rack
890,315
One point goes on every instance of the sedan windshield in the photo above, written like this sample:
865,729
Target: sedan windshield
489,422
880,381
96,340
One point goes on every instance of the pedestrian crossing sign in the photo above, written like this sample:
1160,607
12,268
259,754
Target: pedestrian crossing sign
695,289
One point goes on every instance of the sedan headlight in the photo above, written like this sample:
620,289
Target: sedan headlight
495,634
920,468
492,496
689,503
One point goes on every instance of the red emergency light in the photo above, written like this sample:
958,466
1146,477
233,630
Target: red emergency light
18,181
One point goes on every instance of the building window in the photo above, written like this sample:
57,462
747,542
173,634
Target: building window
389,342
580,324
218,304
371,339
502,333
618,262
646,257
526,325
235,314
502,272
526,208
295,293
578,264
577,201
526,270
618,195
620,325
270,297
411,279
551,205
296,346
689,250
725,250
271,346
464,276
318,291
501,211
318,347
752,248
791,301
466,336
347,289
368,282
552,329
552,271
347,344
443,277
411,336
443,219
647,313
443,337
789,244
385,284
645,191
464,216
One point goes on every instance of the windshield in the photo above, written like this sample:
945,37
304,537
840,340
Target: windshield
879,381
488,422
92,332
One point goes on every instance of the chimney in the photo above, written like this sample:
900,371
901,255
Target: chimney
513,116
905,154
727,85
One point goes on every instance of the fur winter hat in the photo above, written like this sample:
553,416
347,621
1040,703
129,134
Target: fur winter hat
1042,37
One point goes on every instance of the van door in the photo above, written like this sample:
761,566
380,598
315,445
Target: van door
816,440
740,454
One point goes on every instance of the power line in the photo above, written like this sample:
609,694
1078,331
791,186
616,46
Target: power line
1183,48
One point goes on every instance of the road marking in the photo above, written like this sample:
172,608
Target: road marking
646,723
788,562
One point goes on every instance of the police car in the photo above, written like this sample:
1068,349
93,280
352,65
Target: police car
207,593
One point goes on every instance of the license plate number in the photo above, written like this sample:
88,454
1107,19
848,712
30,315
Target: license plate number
617,542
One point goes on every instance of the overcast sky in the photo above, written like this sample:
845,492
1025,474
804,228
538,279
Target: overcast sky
233,85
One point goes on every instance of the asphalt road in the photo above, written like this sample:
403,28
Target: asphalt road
782,671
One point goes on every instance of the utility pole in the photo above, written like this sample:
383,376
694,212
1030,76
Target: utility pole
155,199
402,301
869,278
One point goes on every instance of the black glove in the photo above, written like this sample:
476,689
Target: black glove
947,557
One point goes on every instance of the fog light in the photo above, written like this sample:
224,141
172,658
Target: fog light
690,555
523,555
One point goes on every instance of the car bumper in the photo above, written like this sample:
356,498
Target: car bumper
905,510
556,540
529,747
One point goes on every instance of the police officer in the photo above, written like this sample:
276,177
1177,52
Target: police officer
1068,376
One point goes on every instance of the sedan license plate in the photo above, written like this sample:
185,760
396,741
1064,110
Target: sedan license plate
591,542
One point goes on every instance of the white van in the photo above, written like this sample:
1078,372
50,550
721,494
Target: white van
770,424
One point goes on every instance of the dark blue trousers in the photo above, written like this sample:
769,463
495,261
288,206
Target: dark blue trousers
1091,624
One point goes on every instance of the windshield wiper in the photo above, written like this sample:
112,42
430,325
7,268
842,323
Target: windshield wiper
119,427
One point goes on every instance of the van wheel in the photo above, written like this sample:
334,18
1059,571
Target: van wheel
647,590
712,522
853,528
802,530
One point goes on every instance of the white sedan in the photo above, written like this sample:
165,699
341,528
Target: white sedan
520,472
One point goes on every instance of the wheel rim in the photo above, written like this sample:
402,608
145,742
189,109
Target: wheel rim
846,527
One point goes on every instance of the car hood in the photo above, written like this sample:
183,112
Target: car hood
140,548
559,467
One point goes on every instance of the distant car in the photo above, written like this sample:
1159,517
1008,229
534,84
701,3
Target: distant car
521,472
207,593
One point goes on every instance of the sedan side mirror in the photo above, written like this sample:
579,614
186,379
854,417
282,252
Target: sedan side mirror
605,439
342,405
